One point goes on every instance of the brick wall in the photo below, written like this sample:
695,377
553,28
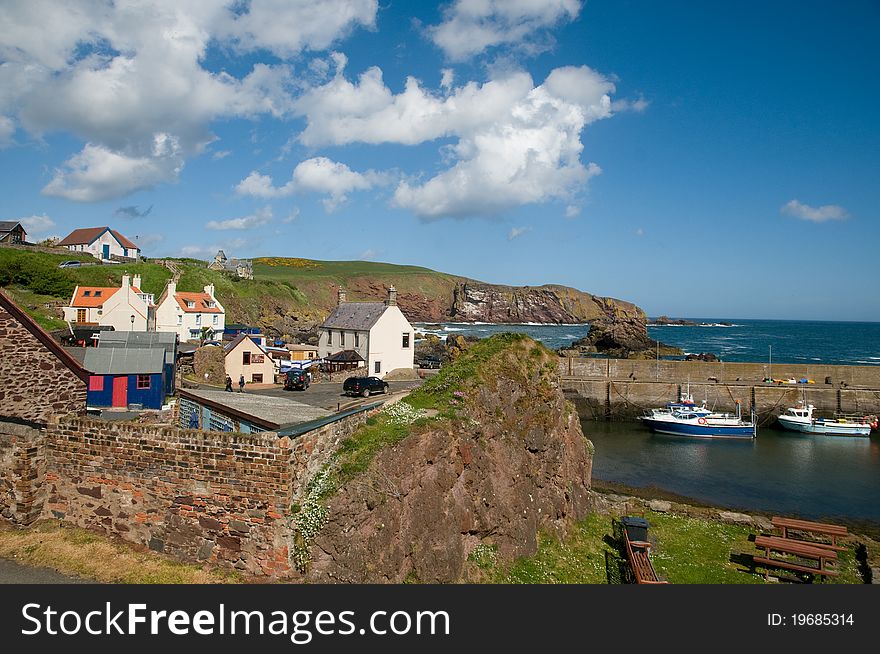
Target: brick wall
34,383
200,496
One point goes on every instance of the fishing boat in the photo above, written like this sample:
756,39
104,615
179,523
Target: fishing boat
684,405
800,418
710,425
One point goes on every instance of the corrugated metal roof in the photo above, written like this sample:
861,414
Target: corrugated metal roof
124,361
138,339
360,316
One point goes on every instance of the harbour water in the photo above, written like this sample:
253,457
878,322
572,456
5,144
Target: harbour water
781,472
786,341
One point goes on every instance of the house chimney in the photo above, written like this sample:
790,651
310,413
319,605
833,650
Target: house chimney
136,281
392,297
340,295
126,281
209,289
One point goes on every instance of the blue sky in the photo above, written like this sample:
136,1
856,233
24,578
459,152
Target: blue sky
698,158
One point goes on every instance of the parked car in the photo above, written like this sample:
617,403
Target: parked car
429,362
296,380
70,264
364,386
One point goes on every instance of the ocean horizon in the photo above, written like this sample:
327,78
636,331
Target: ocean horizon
742,340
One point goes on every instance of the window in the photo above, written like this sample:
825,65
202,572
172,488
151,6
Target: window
214,320
357,339
97,293
87,293
342,339
329,337
80,315
96,383
245,358
406,341
143,382
198,319
257,378
377,367
179,320
310,355
190,304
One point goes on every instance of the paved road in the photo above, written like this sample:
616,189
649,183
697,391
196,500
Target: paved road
329,395
16,573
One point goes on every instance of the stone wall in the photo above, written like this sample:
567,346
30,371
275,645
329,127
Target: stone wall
34,383
22,468
200,496
696,371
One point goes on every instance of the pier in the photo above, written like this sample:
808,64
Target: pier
624,388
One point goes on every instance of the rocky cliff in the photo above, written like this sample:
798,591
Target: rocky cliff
496,456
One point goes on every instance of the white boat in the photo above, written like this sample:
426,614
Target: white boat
708,425
685,406
800,418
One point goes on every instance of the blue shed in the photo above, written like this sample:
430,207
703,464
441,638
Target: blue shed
121,377
149,340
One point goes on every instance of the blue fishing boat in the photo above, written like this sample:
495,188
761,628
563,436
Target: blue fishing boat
685,422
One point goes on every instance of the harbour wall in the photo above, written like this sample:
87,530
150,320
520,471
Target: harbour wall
622,388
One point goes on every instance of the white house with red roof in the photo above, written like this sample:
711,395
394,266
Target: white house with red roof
102,243
126,308
187,313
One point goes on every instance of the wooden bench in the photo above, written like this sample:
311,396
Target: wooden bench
798,548
786,524
637,554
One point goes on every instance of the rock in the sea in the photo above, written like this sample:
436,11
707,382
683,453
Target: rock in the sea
702,356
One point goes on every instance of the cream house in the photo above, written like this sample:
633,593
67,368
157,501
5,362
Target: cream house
126,308
245,356
188,313
377,332
101,242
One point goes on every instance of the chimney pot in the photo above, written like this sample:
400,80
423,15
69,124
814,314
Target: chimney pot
392,297
340,295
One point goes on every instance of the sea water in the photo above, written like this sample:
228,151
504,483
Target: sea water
783,341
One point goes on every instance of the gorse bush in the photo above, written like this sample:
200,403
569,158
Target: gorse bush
35,273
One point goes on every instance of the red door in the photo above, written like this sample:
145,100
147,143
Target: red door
120,391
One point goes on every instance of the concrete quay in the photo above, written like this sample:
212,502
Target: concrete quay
624,388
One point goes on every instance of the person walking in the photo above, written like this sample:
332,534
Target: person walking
241,383
228,383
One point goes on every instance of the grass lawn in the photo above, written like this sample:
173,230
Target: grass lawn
83,553
685,550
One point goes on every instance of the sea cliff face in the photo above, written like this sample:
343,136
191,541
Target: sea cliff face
478,302
512,461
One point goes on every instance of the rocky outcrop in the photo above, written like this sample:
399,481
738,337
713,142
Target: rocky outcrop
621,338
513,462
478,302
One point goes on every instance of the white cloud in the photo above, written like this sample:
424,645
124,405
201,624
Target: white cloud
516,232
97,173
318,175
293,215
35,225
286,27
117,74
470,27
221,154
7,129
572,211
257,219
370,254
517,143
814,214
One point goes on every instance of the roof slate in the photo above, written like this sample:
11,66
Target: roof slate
360,316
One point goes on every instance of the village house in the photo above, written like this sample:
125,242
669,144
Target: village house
376,332
126,308
300,352
12,232
187,314
164,341
246,356
126,377
242,268
102,243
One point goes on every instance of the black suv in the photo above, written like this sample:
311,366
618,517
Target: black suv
364,386
296,380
